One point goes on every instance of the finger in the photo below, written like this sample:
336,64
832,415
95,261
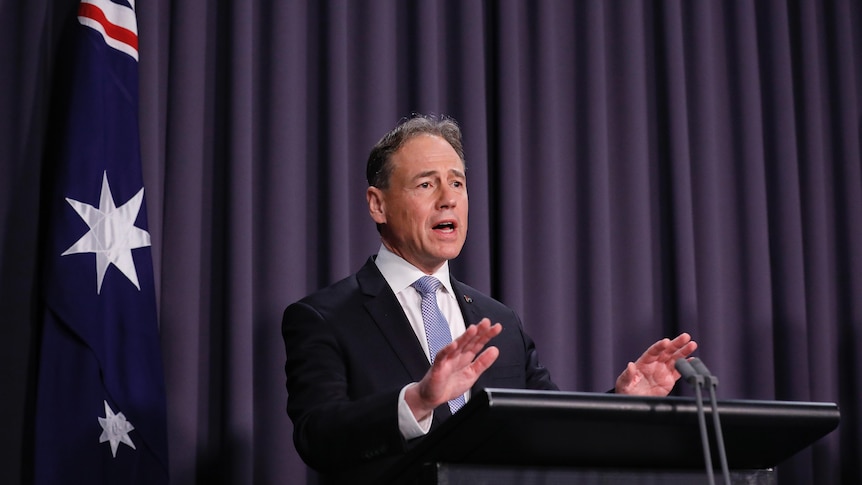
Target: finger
627,379
472,341
634,372
685,351
484,332
472,331
628,373
479,342
654,352
681,341
463,340
469,332
670,349
485,360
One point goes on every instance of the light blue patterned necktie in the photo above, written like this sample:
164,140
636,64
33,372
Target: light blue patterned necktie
436,327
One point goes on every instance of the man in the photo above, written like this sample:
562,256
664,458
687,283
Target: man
364,383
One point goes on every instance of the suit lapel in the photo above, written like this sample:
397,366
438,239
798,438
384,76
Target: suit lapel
389,317
472,315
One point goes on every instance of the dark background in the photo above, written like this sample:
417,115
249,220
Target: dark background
636,169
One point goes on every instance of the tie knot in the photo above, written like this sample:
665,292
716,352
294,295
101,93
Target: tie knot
426,285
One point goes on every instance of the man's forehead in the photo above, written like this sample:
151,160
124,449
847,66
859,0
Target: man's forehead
426,148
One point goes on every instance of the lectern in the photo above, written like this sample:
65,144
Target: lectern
505,436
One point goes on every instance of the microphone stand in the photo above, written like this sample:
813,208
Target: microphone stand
712,383
696,380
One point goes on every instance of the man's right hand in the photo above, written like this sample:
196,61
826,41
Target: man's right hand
456,368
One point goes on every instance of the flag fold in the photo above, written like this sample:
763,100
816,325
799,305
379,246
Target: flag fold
100,403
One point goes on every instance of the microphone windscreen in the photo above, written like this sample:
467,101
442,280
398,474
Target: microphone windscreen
685,368
701,369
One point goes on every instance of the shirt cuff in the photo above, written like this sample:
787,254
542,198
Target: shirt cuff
408,425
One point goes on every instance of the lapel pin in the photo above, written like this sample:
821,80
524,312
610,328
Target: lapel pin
468,299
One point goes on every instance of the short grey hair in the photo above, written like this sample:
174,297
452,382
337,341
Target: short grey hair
379,167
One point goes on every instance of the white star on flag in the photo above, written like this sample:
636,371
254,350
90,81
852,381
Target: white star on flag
112,234
115,429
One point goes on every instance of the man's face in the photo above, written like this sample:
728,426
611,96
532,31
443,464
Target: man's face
424,209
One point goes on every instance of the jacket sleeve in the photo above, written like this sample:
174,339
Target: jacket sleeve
332,430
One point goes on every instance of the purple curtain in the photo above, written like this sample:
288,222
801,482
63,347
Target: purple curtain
636,169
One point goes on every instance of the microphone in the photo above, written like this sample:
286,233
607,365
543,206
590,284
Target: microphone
696,380
712,382
688,372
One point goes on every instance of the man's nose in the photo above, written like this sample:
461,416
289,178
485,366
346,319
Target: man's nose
448,197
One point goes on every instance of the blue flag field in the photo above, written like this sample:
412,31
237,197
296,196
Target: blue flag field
100,403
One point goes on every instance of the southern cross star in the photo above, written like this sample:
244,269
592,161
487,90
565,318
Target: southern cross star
115,429
112,234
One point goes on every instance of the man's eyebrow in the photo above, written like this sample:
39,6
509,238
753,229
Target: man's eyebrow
434,173
427,173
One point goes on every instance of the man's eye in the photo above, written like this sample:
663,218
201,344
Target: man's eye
457,184
425,185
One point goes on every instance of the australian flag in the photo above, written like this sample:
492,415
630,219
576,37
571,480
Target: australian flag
100,400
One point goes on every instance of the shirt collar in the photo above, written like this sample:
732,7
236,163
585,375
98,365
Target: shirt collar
400,274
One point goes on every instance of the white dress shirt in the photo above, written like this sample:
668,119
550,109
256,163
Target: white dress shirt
400,274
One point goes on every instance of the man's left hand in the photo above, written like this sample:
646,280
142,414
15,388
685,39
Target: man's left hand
654,373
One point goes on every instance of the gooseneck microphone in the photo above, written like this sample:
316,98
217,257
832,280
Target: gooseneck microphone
712,383
696,380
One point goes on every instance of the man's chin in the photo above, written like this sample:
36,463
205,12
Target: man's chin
451,251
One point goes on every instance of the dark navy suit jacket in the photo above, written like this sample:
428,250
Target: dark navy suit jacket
350,350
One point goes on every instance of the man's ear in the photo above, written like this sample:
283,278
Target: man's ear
376,205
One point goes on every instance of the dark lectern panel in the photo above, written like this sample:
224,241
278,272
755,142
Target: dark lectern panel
542,428
466,474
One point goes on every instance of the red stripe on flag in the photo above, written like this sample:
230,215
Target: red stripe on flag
121,34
